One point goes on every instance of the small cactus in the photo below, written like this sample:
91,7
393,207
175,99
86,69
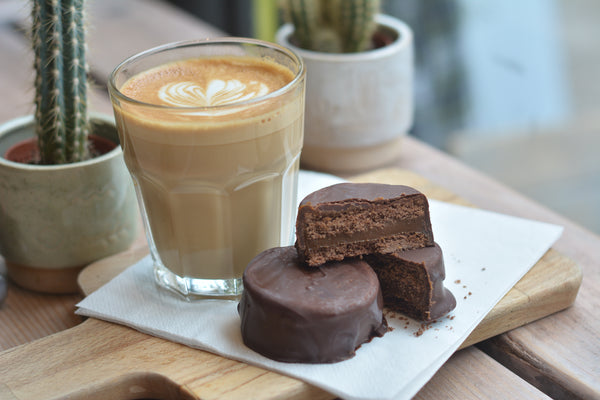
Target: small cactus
334,26
58,36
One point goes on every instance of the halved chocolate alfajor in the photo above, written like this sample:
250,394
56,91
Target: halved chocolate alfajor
355,219
292,313
412,282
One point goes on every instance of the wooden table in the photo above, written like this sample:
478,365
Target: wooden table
558,356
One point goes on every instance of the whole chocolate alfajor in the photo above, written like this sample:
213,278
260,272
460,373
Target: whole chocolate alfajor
292,313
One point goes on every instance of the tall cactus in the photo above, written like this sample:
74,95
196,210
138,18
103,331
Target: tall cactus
334,26
58,36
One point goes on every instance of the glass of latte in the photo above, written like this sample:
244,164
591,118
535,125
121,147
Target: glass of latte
211,133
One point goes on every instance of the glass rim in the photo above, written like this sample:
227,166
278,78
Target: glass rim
299,75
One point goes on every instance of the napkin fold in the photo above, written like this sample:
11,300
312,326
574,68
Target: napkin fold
485,254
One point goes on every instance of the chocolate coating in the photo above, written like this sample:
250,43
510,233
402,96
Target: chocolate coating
310,315
355,219
363,191
412,282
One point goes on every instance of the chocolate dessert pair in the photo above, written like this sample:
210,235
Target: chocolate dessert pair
359,246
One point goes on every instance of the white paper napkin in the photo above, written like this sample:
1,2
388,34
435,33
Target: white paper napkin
485,254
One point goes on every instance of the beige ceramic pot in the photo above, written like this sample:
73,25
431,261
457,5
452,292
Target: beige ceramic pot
358,105
56,219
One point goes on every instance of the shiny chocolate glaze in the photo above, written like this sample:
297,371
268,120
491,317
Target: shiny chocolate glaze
363,191
292,313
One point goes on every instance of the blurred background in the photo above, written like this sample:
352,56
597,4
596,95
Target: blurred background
511,88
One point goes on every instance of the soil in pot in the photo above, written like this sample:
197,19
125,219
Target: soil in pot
27,152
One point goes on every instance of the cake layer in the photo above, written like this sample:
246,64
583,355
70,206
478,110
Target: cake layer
311,315
412,282
354,219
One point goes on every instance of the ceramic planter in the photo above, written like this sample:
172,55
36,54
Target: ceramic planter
358,105
56,219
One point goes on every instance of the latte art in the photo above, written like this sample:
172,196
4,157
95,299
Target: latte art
218,92
207,87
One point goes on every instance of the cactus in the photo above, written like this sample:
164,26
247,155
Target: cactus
334,26
58,36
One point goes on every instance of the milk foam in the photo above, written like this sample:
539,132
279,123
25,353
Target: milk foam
218,92
216,88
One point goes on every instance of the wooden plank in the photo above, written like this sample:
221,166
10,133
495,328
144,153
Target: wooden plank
480,370
521,356
110,358
27,316
565,347
98,360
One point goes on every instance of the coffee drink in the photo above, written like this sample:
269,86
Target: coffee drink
213,146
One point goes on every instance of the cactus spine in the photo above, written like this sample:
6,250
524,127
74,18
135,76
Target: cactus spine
58,36
335,26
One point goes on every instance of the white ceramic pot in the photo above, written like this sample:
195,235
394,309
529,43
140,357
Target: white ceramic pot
358,105
55,219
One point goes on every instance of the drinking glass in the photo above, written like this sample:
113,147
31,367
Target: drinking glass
216,183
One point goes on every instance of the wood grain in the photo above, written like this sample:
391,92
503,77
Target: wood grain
27,316
100,359
469,364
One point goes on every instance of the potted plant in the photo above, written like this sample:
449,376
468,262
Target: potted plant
359,96
66,198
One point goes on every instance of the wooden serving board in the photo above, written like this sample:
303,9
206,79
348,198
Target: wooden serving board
98,359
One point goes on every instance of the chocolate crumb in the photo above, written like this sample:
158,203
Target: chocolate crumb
457,281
